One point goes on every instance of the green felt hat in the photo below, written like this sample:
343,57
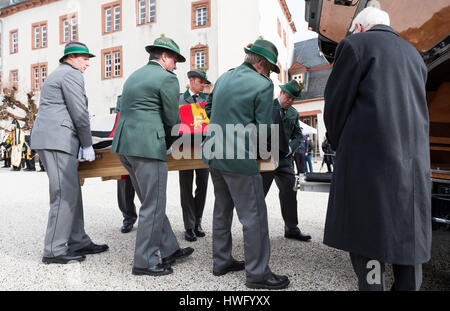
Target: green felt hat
292,88
265,49
75,48
198,73
168,44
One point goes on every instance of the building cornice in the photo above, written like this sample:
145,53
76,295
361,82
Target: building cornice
22,6
287,13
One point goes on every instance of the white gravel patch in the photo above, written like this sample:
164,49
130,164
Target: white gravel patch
24,204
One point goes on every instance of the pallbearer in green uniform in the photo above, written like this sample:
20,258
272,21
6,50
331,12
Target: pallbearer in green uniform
242,96
284,175
193,205
149,110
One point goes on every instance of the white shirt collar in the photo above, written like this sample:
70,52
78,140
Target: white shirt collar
192,93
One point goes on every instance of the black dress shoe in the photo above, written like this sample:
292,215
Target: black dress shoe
179,254
91,249
235,266
63,259
199,231
159,269
126,228
190,235
272,282
297,235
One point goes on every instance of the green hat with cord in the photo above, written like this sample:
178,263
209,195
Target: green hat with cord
75,48
292,88
198,73
168,44
265,49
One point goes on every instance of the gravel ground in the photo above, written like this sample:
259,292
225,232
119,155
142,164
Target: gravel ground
310,266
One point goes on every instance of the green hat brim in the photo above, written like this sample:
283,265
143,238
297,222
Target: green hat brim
197,75
291,92
275,66
180,58
90,55
76,50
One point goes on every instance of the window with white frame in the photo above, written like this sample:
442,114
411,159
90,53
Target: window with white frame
146,10
142,11
14,76
39,31
14,37
107,66
74,28
68,28
201,16
108,17
151,11
112,63
200,56
117,69
116,17
200,59
38,76
111,14
44,36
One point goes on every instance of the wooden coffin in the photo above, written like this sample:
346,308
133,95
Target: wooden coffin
107,165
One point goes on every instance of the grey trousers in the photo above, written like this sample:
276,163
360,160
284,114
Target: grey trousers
371,275
246,194
285,180
125,200
193,205
65,228
149,178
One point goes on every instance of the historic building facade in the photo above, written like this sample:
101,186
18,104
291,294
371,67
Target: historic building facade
211,34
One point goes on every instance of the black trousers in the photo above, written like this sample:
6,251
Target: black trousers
193,204
285,180
125,199
299,160
7,162
371,275
30,163
41,165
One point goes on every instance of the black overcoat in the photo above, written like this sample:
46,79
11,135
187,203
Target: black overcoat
377,121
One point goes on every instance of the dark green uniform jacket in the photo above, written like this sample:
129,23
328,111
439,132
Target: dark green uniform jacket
291,129
240,96
148,111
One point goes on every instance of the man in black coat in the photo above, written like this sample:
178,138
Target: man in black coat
376,117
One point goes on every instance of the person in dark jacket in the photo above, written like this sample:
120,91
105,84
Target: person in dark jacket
193,204
284,174
328,155
376,117
308,155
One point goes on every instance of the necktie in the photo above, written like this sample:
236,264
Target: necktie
194,97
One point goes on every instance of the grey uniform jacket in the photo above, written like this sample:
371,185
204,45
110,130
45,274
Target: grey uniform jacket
62,122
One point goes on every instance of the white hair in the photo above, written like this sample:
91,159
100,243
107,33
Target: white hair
369,17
